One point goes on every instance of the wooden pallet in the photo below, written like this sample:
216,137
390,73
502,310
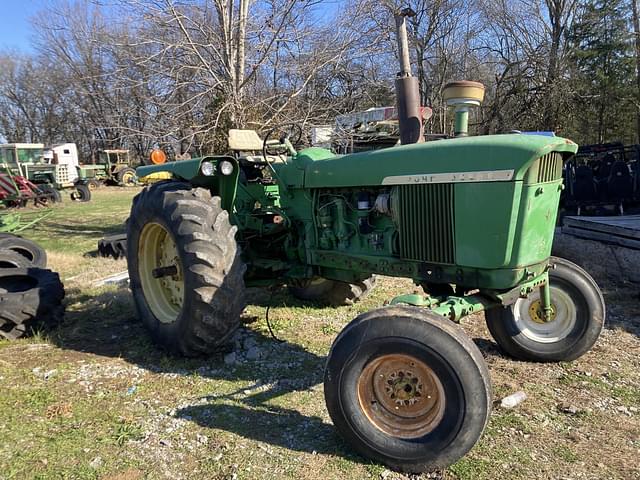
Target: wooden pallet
623,230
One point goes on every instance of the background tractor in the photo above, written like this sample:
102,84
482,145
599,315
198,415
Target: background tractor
469,219
113,166
50,172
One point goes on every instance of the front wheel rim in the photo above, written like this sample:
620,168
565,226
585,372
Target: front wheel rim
164,296
528,322
401,396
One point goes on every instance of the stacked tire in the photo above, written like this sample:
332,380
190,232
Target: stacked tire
30,295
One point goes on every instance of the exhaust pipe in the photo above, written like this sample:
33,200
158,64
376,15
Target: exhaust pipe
407,88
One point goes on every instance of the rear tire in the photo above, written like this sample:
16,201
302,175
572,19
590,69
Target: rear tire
33,252
332,292
195,311
578,318
126,177
29,298
407,388
54,194
93,184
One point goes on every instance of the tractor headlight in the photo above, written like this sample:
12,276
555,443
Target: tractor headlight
207,168
226,167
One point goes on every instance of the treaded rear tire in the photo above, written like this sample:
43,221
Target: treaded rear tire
29,297
27,248
126,172
213,273
332,292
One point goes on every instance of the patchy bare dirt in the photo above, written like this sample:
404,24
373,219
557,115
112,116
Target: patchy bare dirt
96,399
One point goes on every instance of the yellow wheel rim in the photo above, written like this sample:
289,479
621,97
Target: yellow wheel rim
128,178
165,295
536,312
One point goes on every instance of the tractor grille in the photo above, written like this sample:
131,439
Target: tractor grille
426,222
546,169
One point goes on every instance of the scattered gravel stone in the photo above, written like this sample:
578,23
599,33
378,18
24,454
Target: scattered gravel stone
623,409
569,409
96,463
49,374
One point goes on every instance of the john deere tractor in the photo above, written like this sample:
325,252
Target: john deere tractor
469,219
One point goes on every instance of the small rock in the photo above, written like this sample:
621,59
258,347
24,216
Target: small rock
96,463
566,408
165,443
37,370
202,439
623,409
131,390
230,358
385,474
633,409
253,353
513,400
49,374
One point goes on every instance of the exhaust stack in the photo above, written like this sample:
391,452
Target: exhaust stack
407,89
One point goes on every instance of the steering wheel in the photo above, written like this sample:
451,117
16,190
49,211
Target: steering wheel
288,135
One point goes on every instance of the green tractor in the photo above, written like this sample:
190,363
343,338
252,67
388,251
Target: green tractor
45,168
113,166
469,219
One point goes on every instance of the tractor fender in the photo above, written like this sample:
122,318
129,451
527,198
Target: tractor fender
191,171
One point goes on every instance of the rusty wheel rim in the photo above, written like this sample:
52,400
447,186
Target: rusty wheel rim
401,396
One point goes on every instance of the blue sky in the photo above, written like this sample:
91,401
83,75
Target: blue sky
16,30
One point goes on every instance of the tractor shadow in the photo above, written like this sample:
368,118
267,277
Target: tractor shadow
106,326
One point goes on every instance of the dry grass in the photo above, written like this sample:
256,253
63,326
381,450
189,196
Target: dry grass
96,399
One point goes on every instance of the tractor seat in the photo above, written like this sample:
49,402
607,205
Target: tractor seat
620,182
248,146
584,187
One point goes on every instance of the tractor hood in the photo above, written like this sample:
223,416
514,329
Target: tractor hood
470,159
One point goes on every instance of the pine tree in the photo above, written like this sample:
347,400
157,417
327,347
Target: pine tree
603,79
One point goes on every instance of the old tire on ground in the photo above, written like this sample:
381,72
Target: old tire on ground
33,252
578,318
29,298
196,310
407,388
126,177
332,292
80,193
11,259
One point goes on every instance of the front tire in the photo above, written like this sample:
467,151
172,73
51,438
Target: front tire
407,388
80,193
194,310
578,318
